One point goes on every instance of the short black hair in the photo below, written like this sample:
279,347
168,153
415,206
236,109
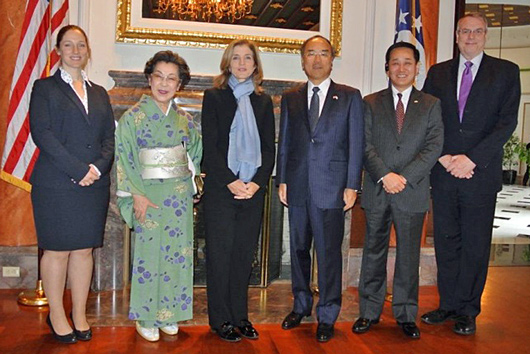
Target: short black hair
168,56
402,45
302,49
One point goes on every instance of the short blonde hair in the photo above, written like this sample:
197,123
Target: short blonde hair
221,80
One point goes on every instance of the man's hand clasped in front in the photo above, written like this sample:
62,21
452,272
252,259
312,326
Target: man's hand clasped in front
394,183
459,166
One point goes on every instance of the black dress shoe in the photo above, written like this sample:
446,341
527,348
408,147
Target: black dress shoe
438,316
81,335
227,332
247,330
292,320
362,325
67,338
465,325
410,329
324,332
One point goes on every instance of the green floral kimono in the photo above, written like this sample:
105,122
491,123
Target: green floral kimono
162,273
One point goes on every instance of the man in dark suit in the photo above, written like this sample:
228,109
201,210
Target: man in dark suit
404,138
480,99
319,172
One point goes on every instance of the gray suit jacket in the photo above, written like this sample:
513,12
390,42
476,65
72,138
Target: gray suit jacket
411,154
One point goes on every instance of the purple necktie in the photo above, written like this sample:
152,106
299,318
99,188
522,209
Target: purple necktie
465,87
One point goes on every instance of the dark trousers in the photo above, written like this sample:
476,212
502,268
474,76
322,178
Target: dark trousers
232,231
463,224
326,228
372,283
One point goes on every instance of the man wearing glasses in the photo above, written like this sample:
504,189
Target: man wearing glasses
320,153
480,100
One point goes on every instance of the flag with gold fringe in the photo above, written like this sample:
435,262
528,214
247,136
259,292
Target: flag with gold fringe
35,59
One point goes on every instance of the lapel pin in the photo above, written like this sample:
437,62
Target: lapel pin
335,97
416,101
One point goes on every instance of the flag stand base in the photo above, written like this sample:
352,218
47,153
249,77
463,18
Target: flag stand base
34,297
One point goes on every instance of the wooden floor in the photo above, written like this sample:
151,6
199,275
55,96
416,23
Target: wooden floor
503,328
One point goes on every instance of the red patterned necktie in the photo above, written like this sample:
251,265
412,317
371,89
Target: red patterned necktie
400,113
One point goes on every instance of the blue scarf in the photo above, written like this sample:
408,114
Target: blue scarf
244,148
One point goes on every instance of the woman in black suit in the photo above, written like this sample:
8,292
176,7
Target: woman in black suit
238,138
72,124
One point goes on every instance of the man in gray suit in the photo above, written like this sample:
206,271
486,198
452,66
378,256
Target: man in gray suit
404,138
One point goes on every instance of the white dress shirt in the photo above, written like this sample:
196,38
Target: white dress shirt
65,75
462,66
404,98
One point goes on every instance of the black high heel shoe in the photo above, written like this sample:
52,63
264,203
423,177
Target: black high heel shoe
81,335
67,338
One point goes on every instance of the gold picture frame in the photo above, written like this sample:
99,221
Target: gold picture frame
132,28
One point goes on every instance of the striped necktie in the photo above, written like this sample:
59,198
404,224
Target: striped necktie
400,113
314,109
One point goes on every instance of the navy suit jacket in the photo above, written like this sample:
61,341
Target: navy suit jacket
323,163
69,139
411,154
490,117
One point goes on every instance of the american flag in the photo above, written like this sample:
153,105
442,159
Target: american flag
409,29
35,59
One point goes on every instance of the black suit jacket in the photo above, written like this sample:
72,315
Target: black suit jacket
218,110
324,162
411,154
490,117
69,139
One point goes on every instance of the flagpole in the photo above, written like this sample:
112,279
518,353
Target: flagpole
37,297
413,19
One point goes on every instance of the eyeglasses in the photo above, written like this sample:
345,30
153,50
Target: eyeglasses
321,53
476,32
171,80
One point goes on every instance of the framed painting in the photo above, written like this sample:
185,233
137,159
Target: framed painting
276,26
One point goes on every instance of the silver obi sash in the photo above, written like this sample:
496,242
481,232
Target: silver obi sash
163,163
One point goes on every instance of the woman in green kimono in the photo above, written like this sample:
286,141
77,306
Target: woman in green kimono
158,148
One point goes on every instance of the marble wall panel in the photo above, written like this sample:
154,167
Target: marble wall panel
26,259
